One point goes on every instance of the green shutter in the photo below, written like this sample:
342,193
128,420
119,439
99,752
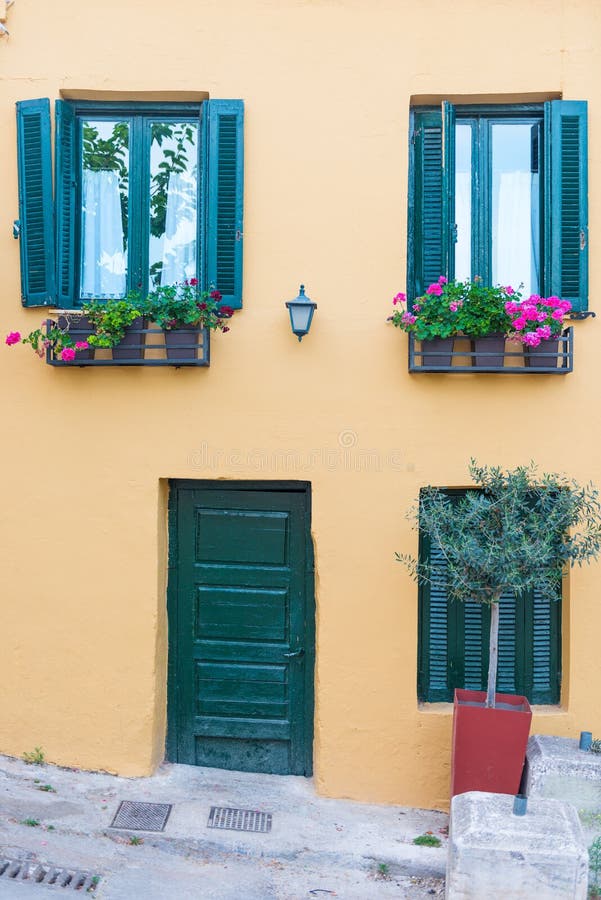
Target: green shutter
66,183
566,263
428,222
224,121
448,190
454,637
35,203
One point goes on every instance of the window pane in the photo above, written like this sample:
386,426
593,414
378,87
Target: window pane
173,202
515,205
463,201
105,189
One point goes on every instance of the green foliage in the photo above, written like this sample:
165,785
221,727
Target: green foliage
452,308
594,859
47,788
382,872
33,823
427,840
110,318
135,841
184,306
35,757
516,532
174,161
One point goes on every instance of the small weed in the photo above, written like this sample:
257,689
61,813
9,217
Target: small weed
427,840
48,788
382,872
35,758
49,827
33,823
589,818
135,841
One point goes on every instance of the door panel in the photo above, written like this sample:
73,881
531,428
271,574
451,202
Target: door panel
239,605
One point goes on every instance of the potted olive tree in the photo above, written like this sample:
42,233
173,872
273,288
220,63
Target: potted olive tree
515,531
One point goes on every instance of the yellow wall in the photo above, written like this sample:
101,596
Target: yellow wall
86,453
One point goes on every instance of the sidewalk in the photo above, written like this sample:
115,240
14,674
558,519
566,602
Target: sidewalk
317,848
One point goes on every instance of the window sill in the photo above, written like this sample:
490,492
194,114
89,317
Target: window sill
446,709
462,356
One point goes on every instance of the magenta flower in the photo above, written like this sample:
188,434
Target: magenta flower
453,306
442,280
68,354
399,298
532,339
435,289
407,318
541,316
81,345
509,290
519,323
557,314
13,337
417,307
512,308
544,332
530,314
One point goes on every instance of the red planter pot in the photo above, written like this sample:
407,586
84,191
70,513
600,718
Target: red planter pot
489,745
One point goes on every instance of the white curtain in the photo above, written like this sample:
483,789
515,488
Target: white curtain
463,219
513,248
104,262
179,240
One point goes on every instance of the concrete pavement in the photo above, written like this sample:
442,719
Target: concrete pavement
317,848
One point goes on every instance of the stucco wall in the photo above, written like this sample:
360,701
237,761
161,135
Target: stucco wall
327,86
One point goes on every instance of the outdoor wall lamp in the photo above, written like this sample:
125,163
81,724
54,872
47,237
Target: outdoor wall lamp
301,313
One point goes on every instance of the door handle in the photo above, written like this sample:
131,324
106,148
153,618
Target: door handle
295,653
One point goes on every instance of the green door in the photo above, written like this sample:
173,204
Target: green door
241,625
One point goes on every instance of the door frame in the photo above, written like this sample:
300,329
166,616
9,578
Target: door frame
187,484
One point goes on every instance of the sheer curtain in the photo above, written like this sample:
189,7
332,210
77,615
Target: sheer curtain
513,248
104,261
179,240
463,219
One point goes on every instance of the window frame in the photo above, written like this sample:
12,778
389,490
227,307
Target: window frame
563,184
139,115
523,656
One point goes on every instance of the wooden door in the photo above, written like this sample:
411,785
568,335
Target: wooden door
241,625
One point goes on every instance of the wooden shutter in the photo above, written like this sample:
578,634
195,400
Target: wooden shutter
36,214
566,206
66,212
454,637
223,121
428,222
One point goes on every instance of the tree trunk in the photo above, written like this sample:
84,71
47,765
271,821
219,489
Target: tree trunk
493,654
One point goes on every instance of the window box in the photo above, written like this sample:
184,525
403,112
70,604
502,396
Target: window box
550,357
144,346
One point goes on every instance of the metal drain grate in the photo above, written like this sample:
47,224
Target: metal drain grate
239,819
134,816
32,871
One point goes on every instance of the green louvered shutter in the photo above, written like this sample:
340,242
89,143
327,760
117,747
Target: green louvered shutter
544,670
454,638
508,666
224,122
428,223
566,213
66,185
36,215
433,677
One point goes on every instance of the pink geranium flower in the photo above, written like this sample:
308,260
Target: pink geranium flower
399,298
509,290
544,332
519,323
13,337
407,318
81,345
442,280
68,354
453,306
532,339
435,289
557,314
